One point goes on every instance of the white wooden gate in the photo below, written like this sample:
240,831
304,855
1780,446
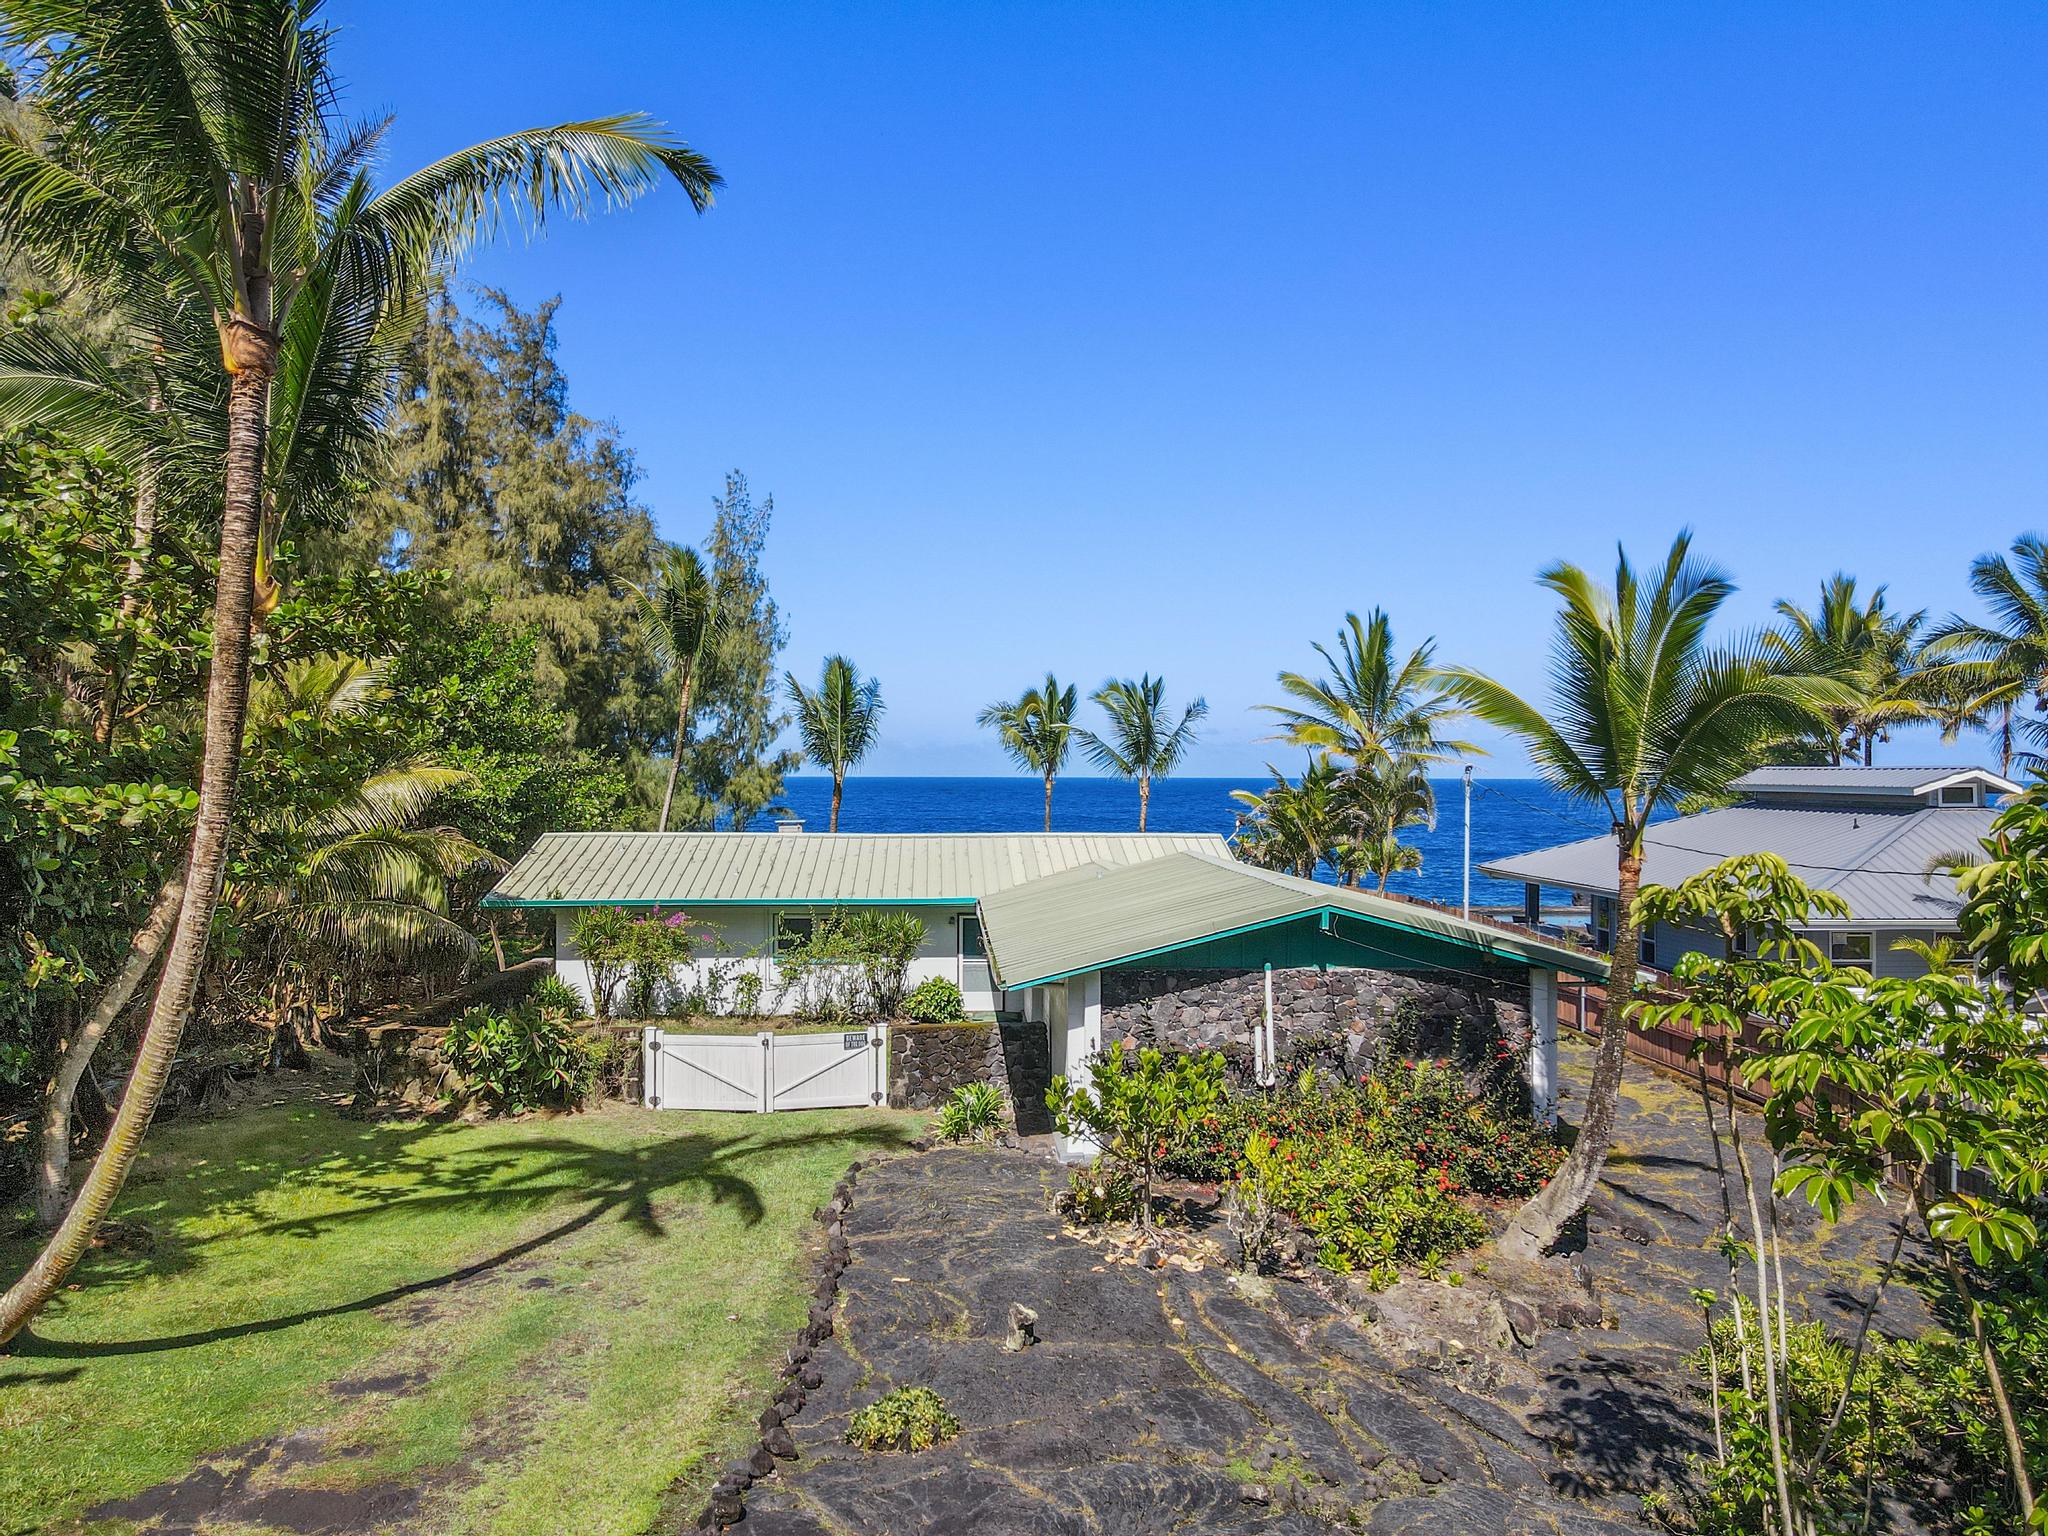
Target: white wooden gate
767,1071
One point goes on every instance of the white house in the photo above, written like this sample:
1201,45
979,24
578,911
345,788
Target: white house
1873,836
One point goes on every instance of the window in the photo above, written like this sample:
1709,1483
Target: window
1851,949
792,929
1647,948
1959,794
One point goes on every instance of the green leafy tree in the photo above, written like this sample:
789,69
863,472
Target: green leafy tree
679,612
1646,711
1037,731
1135,1105
839,722
1141,741
199,154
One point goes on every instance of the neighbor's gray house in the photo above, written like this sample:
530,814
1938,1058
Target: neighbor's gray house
1870,835
1087,940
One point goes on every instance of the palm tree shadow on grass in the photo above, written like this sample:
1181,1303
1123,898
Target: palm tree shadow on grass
629,1184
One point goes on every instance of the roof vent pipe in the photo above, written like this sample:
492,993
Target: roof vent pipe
789,823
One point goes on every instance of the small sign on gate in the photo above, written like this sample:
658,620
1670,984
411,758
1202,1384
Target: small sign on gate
853,1040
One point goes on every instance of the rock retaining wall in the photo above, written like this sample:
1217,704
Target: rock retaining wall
928,1061
1330,1016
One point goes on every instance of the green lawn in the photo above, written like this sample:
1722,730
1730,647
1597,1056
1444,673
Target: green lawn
521,1326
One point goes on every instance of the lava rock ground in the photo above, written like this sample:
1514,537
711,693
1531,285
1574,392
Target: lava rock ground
1171,1399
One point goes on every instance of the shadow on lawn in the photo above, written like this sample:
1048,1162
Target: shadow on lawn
510,1178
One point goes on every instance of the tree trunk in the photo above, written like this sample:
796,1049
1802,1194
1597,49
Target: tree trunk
675,761
838,788
53,1180
1048,802
1144,798
1542,1218
251,352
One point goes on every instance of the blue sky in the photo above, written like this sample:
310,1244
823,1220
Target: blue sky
1121,337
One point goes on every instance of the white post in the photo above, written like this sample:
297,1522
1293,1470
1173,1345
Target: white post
1543,1044
1468,842
1266,1072
767,1071
1080,1033
650,1078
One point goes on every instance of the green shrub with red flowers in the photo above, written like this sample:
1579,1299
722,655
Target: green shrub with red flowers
1363,1209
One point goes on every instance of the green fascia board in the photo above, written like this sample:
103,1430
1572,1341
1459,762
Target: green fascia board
1324,919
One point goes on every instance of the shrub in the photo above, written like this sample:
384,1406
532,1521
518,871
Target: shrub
746,995
882,944
1102,1193
551,994
908,1419
935,1000
975,1110
653,946
1138,1103
521,1059
1363,1208
601,935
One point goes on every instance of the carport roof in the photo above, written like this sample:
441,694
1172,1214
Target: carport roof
1091,917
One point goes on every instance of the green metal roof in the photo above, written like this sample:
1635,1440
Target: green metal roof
1086,919
577,869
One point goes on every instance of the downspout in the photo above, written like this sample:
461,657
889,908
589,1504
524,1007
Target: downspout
1267,1076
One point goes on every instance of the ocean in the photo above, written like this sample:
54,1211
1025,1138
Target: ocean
1508,816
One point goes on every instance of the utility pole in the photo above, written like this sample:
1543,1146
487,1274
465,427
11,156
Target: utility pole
1468,842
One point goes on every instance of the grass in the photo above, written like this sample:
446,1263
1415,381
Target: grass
536,1324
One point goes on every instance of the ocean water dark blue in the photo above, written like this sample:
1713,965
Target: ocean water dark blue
1508,816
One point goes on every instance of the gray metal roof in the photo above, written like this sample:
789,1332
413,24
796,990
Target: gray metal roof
1864,783
1089,918
810,868
1876,861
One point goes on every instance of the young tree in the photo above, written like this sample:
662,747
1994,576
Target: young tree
1646,712
679,611
198,148
1142,741
839,723
1037,731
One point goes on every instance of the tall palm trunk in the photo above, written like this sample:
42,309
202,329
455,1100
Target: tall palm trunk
1048,802
675,762
1542,1218
250,351
838,789
53,1176
1144,798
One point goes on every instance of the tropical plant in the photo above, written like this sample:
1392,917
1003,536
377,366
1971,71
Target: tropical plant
1374,703
680,612
603,936
974,1112
1869,650
551,994
1987,671
1037,731
881,944
1142,741
1380,800
1646,712
935,1000
521,1058
1293,825
1134,1105
196,154
908,1419
839,723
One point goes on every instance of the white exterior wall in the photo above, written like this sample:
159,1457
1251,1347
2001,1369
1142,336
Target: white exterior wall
1671,940
1074,1030
745,940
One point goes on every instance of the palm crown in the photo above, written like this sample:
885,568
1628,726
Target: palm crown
679,612
1036,730
838,722
1863,645
1373,703
1989,670
1142,741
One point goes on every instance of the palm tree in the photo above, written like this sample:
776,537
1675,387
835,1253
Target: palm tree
680,612
1986,671
1141,743
839,723
200,148
1865,647
1375,703
1037,731
1644,712
1381,800
1292,826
